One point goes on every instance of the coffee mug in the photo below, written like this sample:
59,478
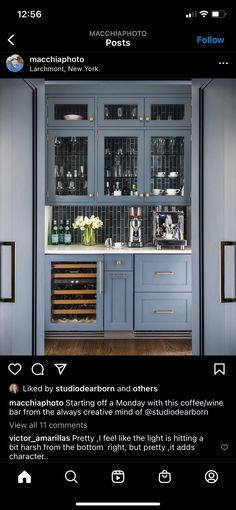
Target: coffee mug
157,191
171,191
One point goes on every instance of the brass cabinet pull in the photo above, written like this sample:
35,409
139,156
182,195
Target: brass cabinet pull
11,299
164,273
224,299
163,312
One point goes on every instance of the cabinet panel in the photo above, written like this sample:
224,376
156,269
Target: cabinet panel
118,301
16,218
74,293
163,311
121,111
121,164
118,262
159,273
70,166
168,163
167,112
70,112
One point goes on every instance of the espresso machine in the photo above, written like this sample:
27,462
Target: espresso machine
168,227
135,227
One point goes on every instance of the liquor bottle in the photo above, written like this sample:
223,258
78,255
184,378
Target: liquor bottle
67,235
61,233
126,189
55,236
117,191
107,188
133,190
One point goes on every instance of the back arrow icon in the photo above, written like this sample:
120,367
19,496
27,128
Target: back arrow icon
10,40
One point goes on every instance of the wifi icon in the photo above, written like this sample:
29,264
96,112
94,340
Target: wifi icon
204,13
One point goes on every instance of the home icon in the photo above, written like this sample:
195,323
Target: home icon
24,477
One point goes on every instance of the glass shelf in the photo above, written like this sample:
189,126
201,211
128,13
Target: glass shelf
167,164
71,165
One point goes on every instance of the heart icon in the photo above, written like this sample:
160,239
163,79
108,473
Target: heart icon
14,368
224,447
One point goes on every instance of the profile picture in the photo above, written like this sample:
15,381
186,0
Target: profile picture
14,63
14,388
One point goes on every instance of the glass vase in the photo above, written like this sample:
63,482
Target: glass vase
88,236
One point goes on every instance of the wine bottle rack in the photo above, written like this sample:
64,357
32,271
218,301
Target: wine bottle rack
74,292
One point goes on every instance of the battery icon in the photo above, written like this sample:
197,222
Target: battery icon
218,14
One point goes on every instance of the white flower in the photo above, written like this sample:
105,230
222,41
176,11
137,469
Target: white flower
93,222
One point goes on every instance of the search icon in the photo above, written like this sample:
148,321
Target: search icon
37,369
70,476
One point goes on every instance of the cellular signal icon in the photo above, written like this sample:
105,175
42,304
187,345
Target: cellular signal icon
191,14
203,13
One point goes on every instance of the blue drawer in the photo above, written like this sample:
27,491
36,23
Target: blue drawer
163,311
118,262
163,273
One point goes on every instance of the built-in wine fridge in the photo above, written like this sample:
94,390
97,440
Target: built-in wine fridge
76,288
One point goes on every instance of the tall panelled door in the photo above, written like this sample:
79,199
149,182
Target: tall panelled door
219,217
16,184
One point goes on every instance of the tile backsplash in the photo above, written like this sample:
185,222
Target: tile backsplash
115,221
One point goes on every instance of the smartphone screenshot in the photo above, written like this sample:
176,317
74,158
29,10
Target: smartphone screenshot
117,257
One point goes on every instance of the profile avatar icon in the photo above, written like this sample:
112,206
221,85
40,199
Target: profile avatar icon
14,388
14,63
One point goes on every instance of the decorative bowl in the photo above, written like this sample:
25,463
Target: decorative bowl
72,116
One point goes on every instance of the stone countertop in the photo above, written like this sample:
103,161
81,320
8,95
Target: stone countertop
99,249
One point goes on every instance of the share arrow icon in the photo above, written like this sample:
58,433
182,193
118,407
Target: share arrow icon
60,367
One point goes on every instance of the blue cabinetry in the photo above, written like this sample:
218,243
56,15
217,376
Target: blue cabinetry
135,138
118,293
163,292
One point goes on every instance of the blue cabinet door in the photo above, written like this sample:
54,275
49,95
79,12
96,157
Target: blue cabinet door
168,166
168,111
118,301
74,293
76,112
120,160
163,273
70,167
121,112
167,311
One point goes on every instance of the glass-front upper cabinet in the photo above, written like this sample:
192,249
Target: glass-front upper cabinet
121,163
169,112
71,112
121,112
70,170
168,166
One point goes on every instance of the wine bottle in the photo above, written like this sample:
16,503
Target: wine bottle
67,235
61,233
55,236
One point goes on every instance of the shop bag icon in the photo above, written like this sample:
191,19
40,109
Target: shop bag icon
164,476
